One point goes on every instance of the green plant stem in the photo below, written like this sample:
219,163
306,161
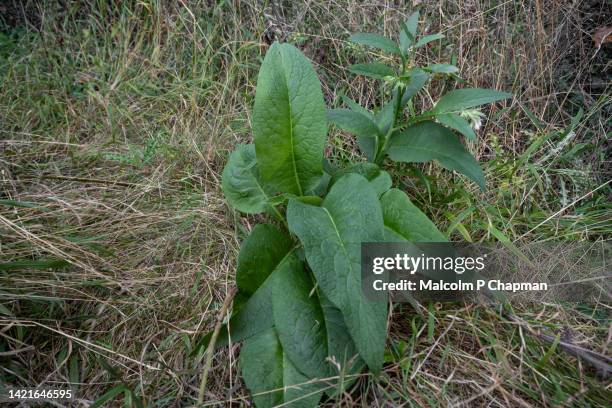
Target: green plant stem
278,215
382,148
380,154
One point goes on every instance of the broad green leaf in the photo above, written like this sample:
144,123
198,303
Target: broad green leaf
289,121
373,70
441,68
460,99
409,31
457,123
405,219
332,235
339,342
426,39
256,314
430,141
261,252
272,378
253,312
376,41
300,391
379,179
360,125
356,107
310,339
241,183
416,80
404,222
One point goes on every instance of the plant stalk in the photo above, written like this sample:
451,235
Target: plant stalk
211,345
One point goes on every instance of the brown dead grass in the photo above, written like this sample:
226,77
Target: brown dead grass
115,125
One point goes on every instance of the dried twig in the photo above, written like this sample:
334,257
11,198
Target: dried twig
602,363
211,345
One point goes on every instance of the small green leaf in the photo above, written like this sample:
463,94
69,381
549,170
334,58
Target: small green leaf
460,99
358,124
414,82
376,41
441,68
426,39
272,378
373,70
406,220
289,122
430,141
406,38
409,31
379,179
457,123
353,122
412,23
332,235
356,107
241,183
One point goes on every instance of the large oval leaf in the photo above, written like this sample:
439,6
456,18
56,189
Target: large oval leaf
312,335
272,378
430,141
241,183
289,122
332,235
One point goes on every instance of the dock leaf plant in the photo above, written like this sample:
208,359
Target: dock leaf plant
306,327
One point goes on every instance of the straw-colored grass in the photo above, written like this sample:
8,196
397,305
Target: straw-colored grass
117,248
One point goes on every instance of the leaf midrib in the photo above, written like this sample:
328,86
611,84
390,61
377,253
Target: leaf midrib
295,174
344,249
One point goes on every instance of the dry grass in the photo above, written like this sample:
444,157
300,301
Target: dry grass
116,122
